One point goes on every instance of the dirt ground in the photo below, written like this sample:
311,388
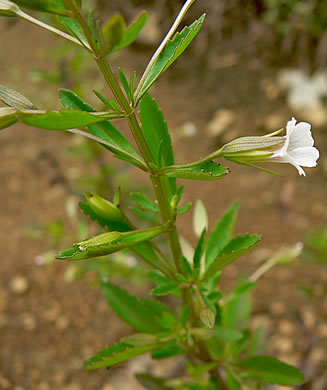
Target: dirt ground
48,326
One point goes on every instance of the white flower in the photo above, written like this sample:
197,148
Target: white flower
298,148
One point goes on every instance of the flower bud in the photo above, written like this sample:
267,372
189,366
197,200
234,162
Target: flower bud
8,8
105,209
251,149
8,116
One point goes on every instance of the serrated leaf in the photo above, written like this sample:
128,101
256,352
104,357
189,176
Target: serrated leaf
52,6
144,202
117,353
15,99
107,243
104,130
142,249
173,49
222,233
167,351
156,134
164,315
165,289
130,309
237,247
74,28
271,370
59,120
200,218
206,171
132,31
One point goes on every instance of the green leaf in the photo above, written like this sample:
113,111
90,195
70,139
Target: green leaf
232,381
105,130
125,84
15,99
113,31
74,28
132,32
155,130
144,202
224,334
107,243
185,208
271,370
173,49
167,351
222,233
206,171
236,312
52,6
144,215
165,289
186,267
237,247
151,382
156,134
163,314
59,120
198,253
130,309
117,353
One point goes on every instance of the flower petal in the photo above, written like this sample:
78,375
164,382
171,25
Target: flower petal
300,137
306,157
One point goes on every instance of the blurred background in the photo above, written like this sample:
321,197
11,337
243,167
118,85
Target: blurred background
254,65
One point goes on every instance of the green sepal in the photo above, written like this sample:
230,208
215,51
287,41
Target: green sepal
237,247
173,49
8,117
8,8
107,243
206,171
271,370
130,309
116,354
15,99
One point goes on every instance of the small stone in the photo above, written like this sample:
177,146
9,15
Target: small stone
322,330
278,308
286,327
4,383
18,388
29,321
284,345
72,386
221,121
318,355
62,323
43,386
18,285
308,318
107,387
